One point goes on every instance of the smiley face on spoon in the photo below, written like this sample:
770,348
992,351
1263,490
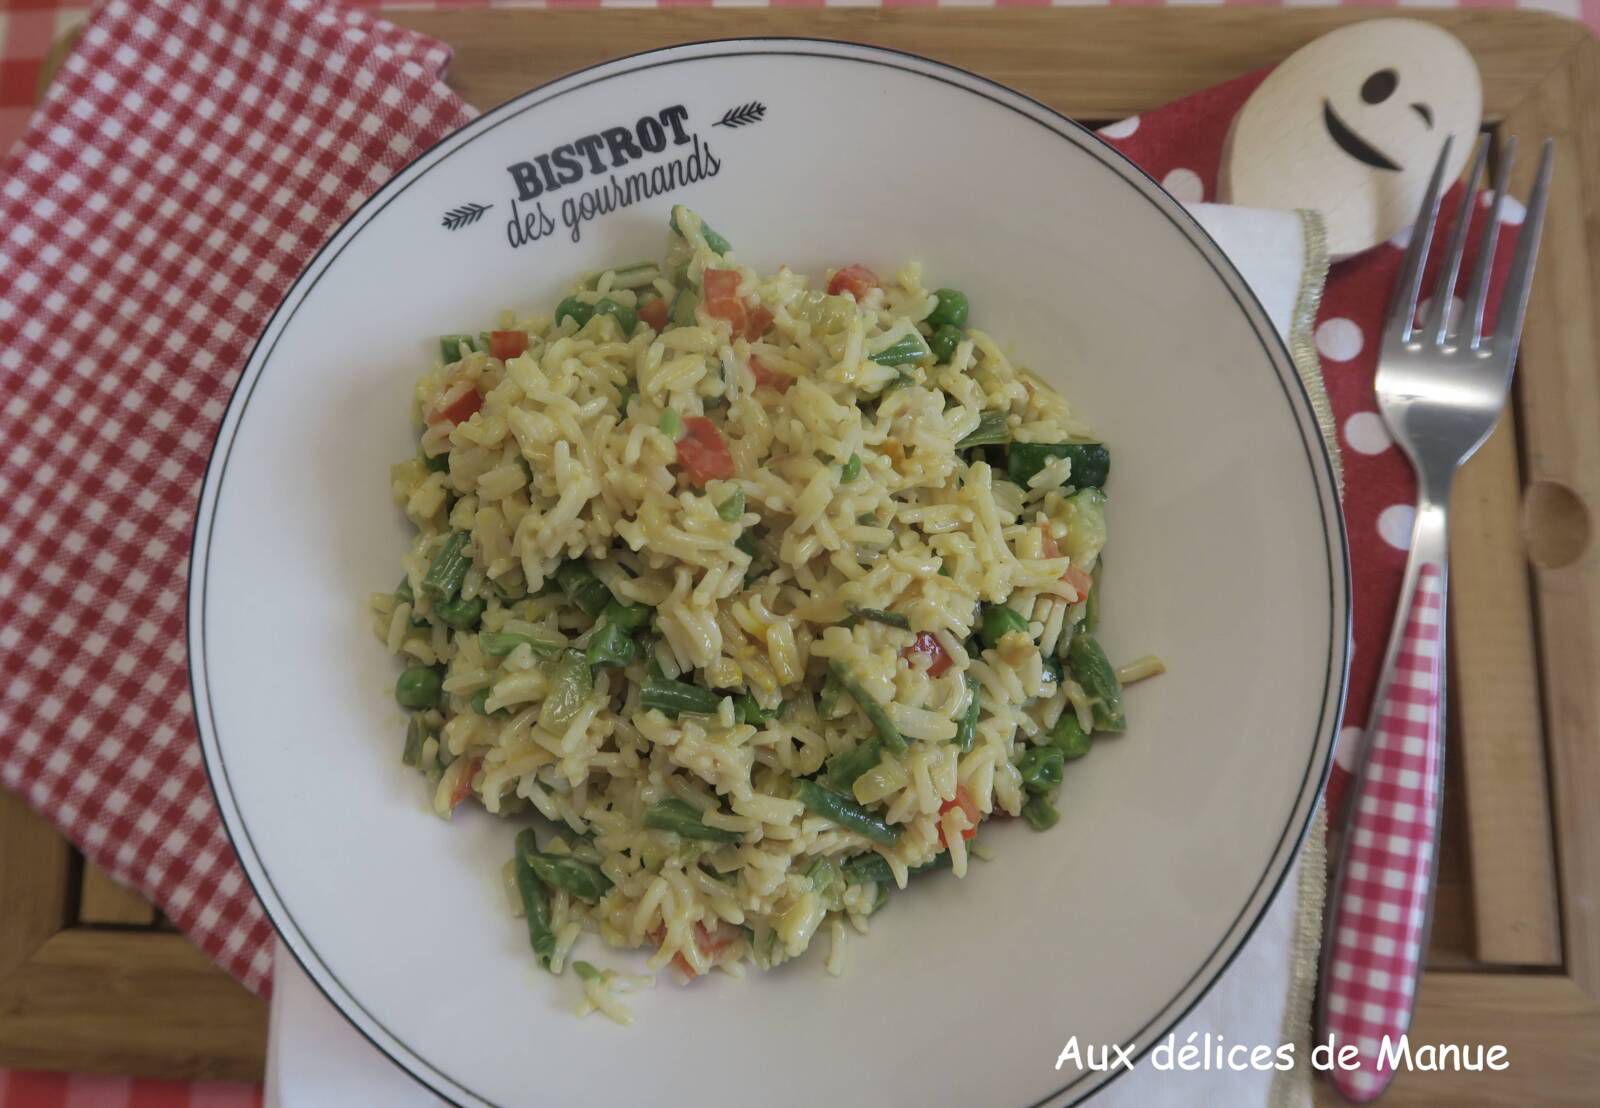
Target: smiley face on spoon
1351,125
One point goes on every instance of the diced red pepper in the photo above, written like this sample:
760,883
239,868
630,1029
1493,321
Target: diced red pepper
729,309
703,452
654,313
463,785
964,799
507,344
759,322
1048,544
720,284
770,378
459,407
1080,581
927,643
711,944
857,280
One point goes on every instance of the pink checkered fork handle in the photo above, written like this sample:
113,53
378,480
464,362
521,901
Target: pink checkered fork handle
1378,923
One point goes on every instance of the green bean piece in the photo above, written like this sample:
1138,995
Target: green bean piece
1090,666
461,614
629,617
587,971
732,509
417,733
967,729
1069,737
625,316
1091,603
625,397
681,818
911,348
828,698
1040,813
747,542
951,310
1040,768
1091,462
993,430
562,871
403,593
576,310
684,304
880,899
999,621
452,348
480,705
672,425
418,687
850,470
449,567
823,875
846,813
747,709
716,242
878,615
582,587
943,343
498,644
876,714
635,276
535,900
874,867
570,685
675,697
610,647
436,463
847,765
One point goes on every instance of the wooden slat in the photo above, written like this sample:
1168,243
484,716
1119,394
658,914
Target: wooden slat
1550,1028
1559,392
1451,945
102,901
1089,64
130,1002
1497,724
33,882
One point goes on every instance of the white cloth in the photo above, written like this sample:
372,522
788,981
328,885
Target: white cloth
316,1058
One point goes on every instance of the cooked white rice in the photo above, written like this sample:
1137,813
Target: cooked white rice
539,469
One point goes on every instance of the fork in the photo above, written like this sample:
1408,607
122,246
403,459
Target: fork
1441,386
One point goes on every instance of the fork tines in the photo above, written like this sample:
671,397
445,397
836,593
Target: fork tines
1438,328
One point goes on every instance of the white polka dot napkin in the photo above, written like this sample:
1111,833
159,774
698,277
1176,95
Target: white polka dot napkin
188,161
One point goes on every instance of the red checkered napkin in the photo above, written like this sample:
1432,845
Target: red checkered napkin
190,159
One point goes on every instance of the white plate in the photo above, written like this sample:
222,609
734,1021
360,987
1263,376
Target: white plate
1226,557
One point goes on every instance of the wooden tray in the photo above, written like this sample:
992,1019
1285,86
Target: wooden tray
91,980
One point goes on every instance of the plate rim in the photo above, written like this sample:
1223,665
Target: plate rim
1319,457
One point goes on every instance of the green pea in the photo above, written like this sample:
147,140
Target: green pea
944,341
418,687
625,316
1040,813
952,309
579,311
851,469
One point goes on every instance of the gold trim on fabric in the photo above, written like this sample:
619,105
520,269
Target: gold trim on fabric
1292,1088
1302,332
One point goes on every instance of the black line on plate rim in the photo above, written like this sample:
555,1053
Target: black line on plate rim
1104,155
